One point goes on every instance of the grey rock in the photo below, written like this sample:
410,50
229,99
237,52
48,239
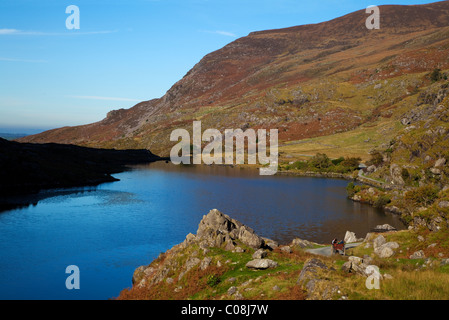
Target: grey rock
440,162
310,269
379,241
232,290
259,254
418,255
384,228
301,243
261,264
205,263
385,252
286,249
396,174
350,237
443,204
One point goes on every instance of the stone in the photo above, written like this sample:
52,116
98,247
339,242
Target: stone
385,252
301,243
261,264
259,254
379,241
310,268
384,228
440,162
270,244
248,237
232,290
396,174
435,171
286,249
350,237
443,204
205,263
190,263
418,255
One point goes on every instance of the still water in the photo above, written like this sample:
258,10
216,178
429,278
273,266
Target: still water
110,230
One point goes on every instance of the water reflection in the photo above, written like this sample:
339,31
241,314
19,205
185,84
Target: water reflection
111,229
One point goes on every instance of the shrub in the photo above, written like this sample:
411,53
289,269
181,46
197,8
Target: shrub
423,196
436,75
351,163
299,165
382,201
352,189
320,161
376,159
336,162
213,280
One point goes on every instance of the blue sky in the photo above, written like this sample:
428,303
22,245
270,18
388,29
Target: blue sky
124,52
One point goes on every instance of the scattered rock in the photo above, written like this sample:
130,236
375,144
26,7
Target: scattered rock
385,252
310,269
396,174
302,243
232,290
286,249
418,255
259,254
379,241
205,263
384,228
261,264
443,204
440,162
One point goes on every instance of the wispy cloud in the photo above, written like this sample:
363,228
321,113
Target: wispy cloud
22,60
104,98
223,33
42,33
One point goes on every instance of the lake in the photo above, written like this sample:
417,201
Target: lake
110,230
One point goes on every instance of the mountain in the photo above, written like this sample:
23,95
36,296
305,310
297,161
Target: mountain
318,81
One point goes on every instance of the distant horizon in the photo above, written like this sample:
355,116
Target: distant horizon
124,52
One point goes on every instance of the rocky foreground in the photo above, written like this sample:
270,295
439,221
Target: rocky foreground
227,260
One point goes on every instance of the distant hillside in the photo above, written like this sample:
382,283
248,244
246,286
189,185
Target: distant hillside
28,167
12,136
309,81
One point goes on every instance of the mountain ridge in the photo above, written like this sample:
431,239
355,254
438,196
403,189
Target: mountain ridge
288,78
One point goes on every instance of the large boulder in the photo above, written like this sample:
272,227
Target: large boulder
217,229
350,237
261,264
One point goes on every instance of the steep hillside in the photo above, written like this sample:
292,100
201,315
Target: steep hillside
307,81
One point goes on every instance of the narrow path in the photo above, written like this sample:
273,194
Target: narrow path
361,176
327,251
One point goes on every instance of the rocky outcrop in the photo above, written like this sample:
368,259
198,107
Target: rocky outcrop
216,230
317,286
